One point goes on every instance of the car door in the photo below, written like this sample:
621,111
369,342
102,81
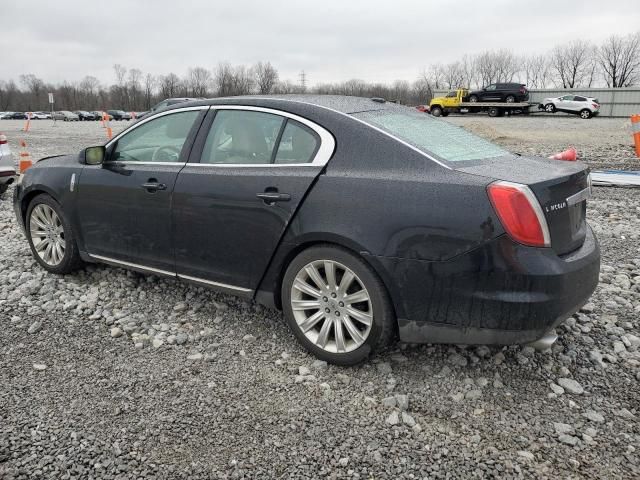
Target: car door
249,170
565,104
490,94
124,205
579,103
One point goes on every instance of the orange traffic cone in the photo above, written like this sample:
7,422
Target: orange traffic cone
28,124
635,129
569,155
25,157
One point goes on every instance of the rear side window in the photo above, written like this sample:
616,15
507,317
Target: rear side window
298,144
579,99
242,137
432,136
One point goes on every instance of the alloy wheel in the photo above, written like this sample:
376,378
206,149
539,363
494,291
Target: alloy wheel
550,108
585,114
511,99
331,306
47,234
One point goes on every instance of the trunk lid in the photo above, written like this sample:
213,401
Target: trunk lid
561,188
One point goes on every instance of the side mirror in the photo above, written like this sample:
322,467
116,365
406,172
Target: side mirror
94,155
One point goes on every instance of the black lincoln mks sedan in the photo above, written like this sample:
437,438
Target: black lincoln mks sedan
361,219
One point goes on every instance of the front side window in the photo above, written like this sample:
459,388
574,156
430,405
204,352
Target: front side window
567,98
158,140
451,95
432,136
242,137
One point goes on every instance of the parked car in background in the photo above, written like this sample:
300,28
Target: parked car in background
66,116
501,92
98,115
586,107
84,116
14,116
119,115
423,108
40,115
3,114
7,165
359,218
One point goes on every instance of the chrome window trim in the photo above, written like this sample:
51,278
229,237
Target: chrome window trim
214,284
133,265
322,157
390,135
133,162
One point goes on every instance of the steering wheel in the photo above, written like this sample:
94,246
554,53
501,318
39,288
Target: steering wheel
168,153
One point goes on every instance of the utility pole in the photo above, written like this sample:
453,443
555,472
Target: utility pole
303,81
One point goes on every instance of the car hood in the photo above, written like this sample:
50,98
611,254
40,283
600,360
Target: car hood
57,160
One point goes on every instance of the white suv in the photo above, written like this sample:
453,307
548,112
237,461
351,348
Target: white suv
586,107
7,166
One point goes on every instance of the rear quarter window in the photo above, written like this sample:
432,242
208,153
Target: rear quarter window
432,136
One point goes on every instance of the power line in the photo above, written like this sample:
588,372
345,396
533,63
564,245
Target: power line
303,80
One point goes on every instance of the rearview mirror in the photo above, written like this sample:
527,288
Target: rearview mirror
94,155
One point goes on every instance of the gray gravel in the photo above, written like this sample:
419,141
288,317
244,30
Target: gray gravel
112,374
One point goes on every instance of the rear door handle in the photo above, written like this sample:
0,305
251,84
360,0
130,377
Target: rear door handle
153,186
271,197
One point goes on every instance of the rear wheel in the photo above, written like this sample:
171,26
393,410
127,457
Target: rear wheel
550,108
584,113
436,111
336,305
510,99
51,237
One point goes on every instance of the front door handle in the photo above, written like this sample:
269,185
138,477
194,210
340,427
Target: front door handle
152,186
272,197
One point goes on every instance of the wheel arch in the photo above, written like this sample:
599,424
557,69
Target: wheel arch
270,288
28,197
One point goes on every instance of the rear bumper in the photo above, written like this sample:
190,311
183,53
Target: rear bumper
7,175
502,293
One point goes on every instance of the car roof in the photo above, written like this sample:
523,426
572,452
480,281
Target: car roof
339,103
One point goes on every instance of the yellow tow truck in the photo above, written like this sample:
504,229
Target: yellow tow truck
454,102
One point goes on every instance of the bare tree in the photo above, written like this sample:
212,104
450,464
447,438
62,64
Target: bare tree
134,89
89,86
149,86
198,81
266,77
223,80
619,58
169,85
8,93
572,63
536,70
35,86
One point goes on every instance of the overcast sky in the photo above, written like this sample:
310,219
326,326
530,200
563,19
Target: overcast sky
331,40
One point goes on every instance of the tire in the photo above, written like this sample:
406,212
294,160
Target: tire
473,98
375,330
550,108
510,99
436,111
70,259
585,114
494,112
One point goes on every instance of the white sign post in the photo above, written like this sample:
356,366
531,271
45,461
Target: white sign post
51,103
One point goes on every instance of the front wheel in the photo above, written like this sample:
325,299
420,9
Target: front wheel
51,237
473,98
436,111
336,305
584,113
550,108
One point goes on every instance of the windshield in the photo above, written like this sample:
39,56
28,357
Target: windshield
433,136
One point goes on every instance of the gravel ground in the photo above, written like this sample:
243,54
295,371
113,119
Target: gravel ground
111,374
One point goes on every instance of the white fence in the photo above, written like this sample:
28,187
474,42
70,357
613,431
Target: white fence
614,102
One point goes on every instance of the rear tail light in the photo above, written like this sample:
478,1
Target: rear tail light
519,213
523,90
3,139
595,105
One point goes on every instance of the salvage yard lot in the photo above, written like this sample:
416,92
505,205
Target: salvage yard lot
221,389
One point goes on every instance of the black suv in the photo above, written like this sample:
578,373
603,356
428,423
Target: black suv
501,92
